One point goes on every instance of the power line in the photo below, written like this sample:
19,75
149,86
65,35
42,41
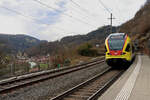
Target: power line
118,9
104,6
27,17
63,13
83,15
107,9
83,10
19,13
111,15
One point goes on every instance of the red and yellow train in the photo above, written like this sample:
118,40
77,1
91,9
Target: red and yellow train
119,49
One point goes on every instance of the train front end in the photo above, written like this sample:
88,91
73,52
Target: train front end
118,49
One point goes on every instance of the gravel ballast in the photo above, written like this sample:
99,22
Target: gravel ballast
52,87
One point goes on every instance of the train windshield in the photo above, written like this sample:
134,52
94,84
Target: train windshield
116,44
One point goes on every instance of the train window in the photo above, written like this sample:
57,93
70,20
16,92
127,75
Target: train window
116,44
128,48
117,37
105,49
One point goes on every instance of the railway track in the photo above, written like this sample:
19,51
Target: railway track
92,88
26,80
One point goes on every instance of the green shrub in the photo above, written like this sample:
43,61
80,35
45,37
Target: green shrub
86,50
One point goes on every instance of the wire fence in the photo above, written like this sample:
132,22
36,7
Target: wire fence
17,69
22,68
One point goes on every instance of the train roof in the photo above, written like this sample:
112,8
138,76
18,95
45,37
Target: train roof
116,36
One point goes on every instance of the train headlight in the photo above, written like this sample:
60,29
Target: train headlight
105,49
108,53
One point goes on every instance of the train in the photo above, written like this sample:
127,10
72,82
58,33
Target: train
119,49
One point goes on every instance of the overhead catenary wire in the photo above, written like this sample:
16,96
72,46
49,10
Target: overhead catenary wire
81,8
87,14
84,16
118,17
48,6
118,9
19,13
106,8
111,14
77,19
28,17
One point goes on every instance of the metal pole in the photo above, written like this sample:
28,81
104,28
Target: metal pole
111,22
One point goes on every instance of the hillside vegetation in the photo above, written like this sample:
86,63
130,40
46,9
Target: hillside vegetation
139,27
71,42
12,44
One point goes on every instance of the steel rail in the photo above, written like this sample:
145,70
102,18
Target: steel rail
94,95
105,87
31,75
18,83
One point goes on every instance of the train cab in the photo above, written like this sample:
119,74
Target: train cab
118,49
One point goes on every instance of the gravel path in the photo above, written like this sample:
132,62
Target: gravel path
50,88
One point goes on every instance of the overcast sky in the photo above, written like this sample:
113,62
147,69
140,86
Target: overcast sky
69,17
